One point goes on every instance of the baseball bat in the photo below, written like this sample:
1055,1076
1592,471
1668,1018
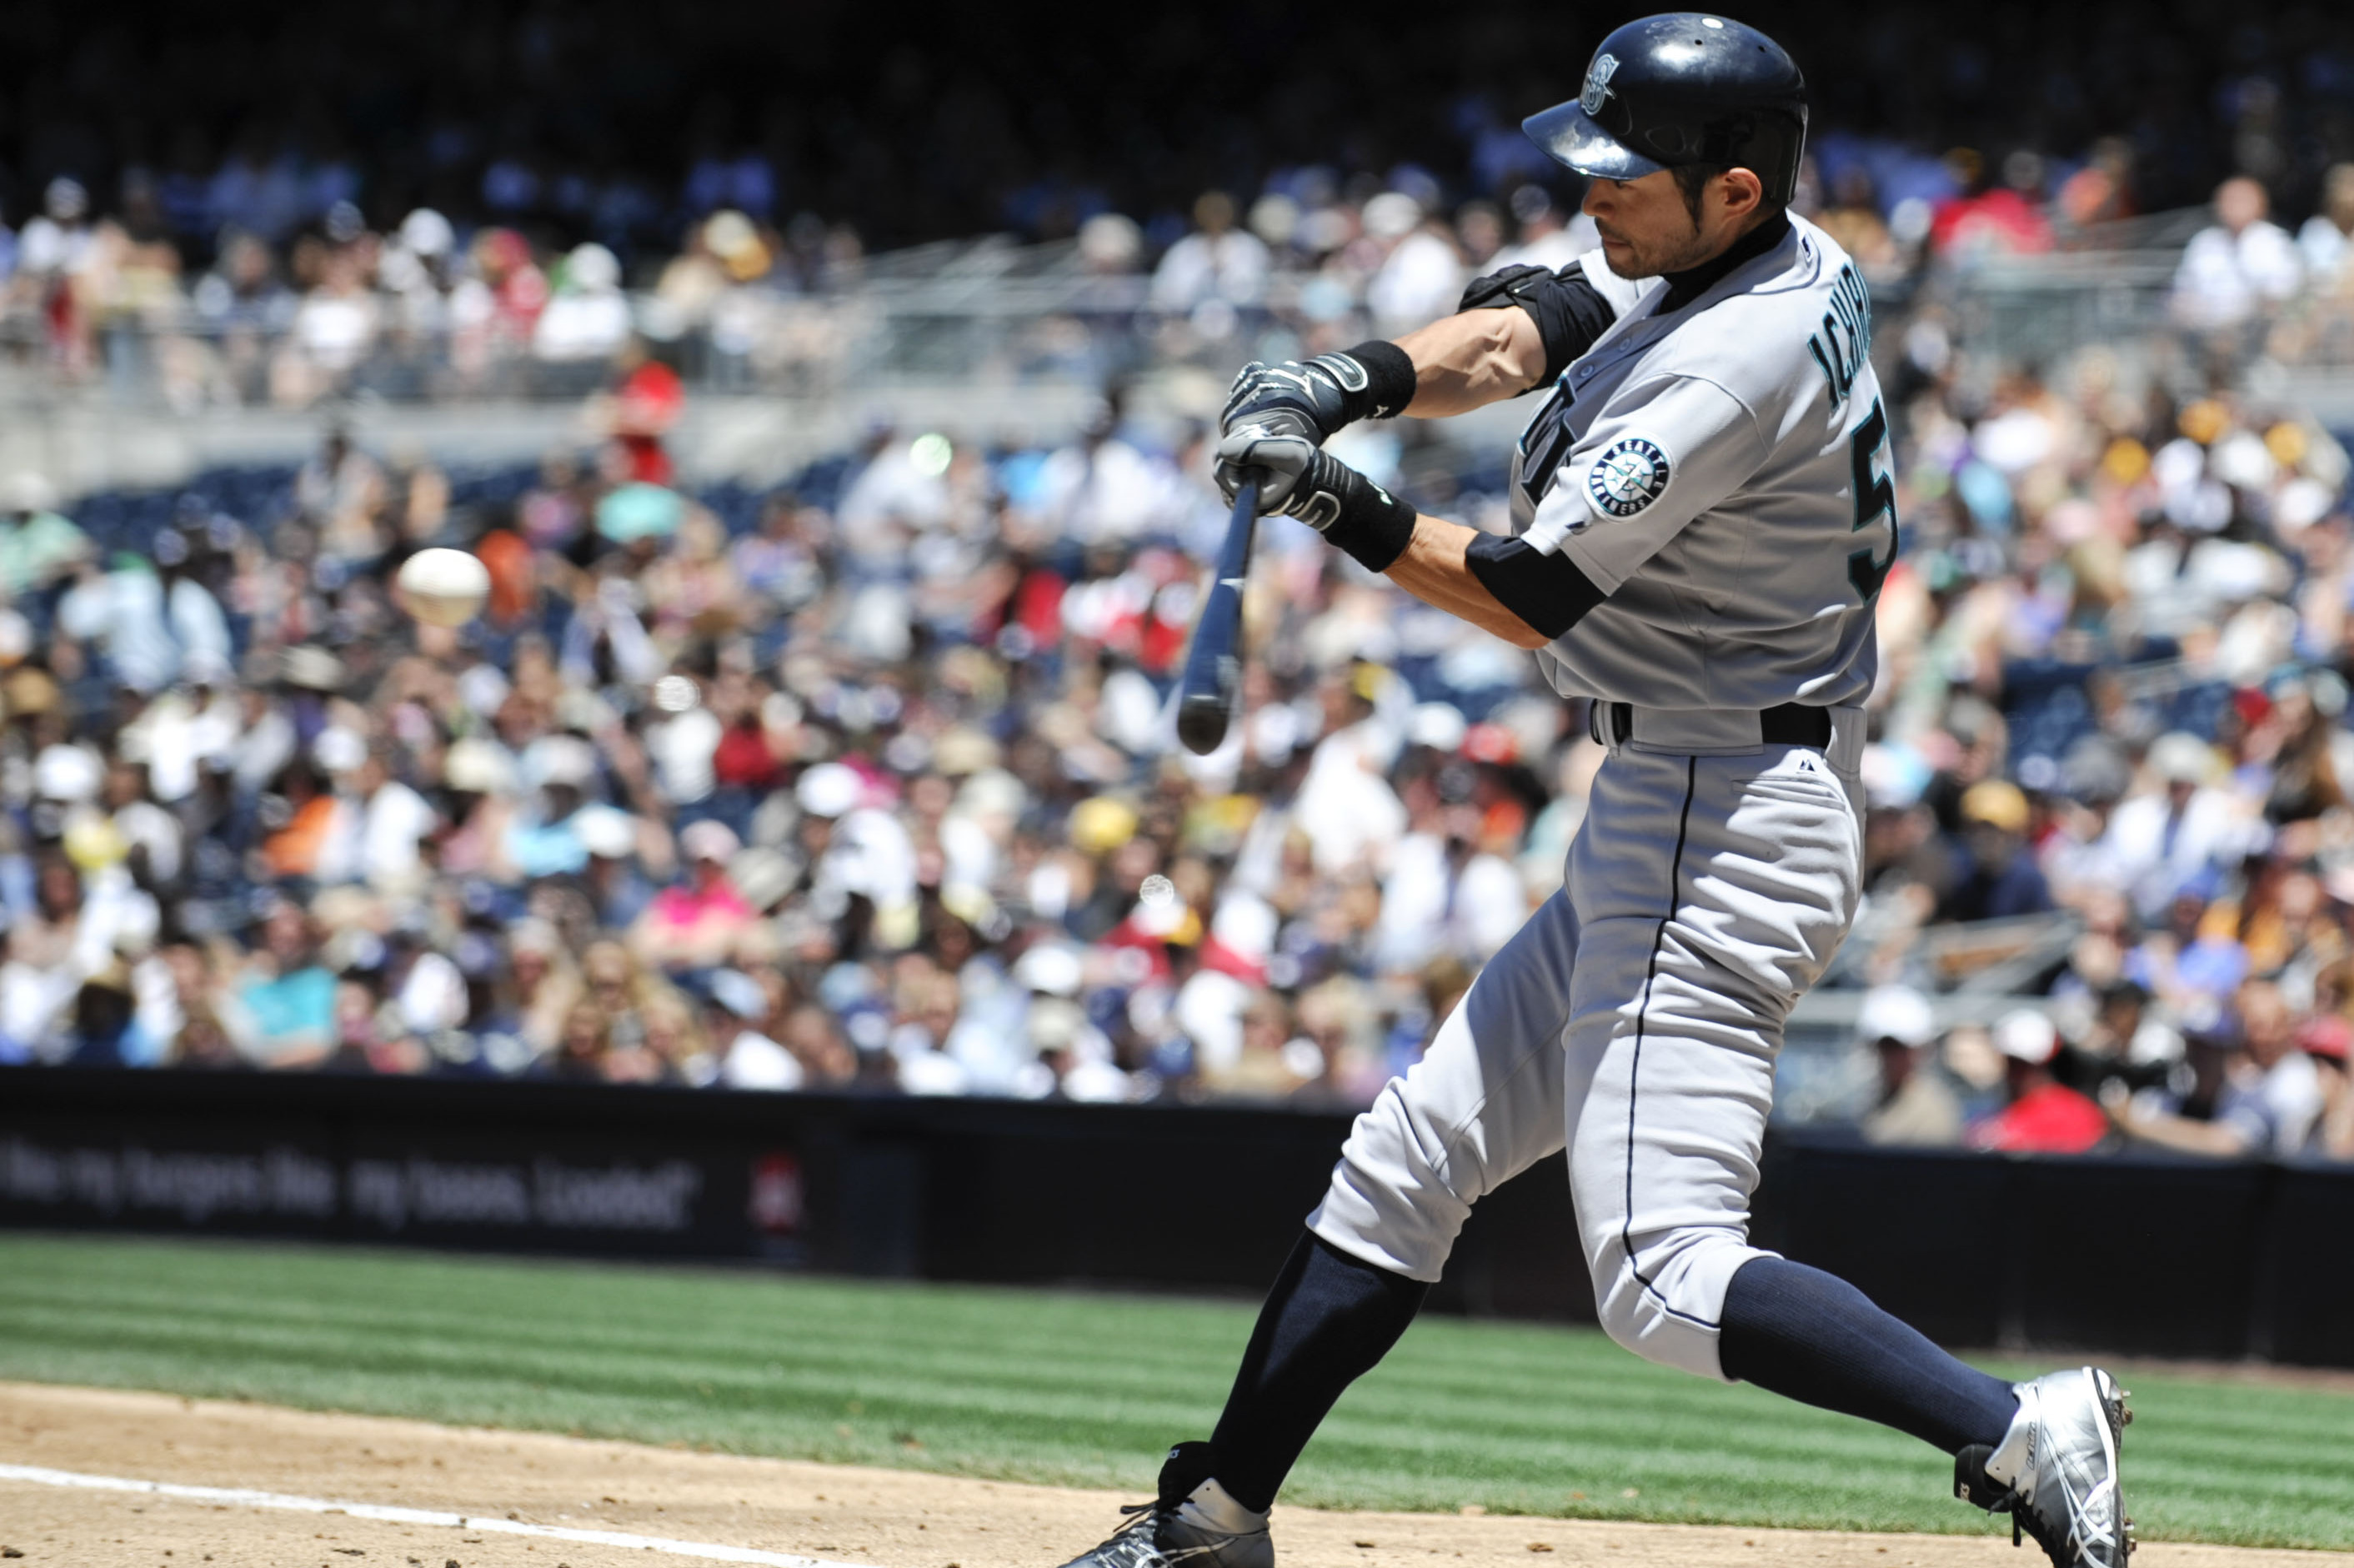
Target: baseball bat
1214,665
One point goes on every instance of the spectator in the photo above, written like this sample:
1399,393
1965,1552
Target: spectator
2240,263
37,546
1546,239
1916,1106
2327,240
586,317
1217,261
698,923
286,997
1854,218
753,1006
2329,1041
2042,1117
104,1031
1422,276
583,1048
2272,1095
2159,840
1998,876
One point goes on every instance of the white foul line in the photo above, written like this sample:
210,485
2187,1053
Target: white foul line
239,1497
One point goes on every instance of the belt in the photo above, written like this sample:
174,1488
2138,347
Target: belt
1791,724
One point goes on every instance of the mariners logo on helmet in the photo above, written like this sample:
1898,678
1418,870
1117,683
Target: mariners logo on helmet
1628,477
1598,83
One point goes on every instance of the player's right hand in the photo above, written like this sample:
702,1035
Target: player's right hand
1308,399
1294,476
1275,453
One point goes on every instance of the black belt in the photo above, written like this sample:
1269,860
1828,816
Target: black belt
1791,724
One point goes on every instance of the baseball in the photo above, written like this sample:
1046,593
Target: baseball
444,588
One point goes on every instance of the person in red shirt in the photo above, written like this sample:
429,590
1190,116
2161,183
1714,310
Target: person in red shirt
2043,1117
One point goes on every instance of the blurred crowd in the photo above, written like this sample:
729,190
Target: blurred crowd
427,308
2112,768
870,781
869,784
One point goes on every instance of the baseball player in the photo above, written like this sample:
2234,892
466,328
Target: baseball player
1702,517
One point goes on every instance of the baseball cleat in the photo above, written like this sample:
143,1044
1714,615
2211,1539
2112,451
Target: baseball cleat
1198,1526
2055,1471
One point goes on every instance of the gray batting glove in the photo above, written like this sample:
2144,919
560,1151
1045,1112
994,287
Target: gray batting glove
1279,425
1295,476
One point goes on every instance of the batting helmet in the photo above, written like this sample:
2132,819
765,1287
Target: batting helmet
1678,89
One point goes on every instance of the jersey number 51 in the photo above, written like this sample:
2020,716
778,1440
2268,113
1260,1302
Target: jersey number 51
1874,496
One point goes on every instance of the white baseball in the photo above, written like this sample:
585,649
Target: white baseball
444,588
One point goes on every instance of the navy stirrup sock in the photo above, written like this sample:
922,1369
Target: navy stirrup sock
1327,1322
1815,1338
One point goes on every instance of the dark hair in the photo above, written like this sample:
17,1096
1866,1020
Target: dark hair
1692,179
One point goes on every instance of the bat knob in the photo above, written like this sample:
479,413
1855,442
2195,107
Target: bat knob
1201,722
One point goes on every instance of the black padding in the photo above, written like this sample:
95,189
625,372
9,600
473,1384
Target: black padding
1570,311
1355,515
1495,289
1389,380
1547,592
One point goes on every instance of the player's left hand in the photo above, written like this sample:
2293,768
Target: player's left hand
1314,394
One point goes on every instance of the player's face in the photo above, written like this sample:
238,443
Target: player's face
1647,228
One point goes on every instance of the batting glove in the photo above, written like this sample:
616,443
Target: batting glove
1300,479
1312,398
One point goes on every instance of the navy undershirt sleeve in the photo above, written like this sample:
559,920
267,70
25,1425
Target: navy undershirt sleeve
1547,592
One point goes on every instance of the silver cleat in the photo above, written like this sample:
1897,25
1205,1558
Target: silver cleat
2055,1471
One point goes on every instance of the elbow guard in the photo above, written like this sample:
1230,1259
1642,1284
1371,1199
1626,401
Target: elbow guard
1570,311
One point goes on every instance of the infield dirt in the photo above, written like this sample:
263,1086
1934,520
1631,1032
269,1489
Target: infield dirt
894,1519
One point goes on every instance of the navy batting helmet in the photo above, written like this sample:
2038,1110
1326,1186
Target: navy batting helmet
1678,89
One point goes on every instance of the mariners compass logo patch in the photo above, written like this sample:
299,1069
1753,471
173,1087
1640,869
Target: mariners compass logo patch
1628,477
1598,83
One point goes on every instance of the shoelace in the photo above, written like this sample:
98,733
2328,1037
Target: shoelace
1143,1519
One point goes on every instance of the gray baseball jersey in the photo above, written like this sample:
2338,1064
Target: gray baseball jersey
1721,473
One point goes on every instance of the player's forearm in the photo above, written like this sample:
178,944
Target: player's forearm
1467,361
2186,1136
1436,570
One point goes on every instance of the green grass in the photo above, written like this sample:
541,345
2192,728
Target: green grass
1078,1389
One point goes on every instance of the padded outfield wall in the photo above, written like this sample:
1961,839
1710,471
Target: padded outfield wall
2128,1255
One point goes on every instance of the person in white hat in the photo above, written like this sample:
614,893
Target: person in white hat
1917,1107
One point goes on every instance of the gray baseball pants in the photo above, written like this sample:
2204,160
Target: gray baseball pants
1633,1020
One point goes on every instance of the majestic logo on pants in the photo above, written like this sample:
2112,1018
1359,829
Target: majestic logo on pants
1628,477
1598,83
